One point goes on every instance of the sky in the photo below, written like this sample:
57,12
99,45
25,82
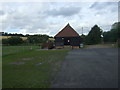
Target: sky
50,17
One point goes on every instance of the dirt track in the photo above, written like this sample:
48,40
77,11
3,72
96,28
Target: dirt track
100,46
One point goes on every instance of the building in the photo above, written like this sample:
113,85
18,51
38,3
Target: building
67,36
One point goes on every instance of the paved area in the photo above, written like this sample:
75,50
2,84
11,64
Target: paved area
89,68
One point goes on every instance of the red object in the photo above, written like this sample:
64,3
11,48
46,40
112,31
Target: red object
67,31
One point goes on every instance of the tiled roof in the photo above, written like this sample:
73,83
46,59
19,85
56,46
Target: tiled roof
67,31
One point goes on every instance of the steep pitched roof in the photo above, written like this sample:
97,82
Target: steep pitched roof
67,31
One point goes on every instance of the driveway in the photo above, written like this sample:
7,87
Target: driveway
89,68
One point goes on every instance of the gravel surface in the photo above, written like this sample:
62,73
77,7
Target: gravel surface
89,68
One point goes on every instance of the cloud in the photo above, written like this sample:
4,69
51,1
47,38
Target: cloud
50,17
102,5
119,11
2,12
64,11
94,5
22,17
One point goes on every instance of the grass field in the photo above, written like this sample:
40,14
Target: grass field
5,37
112,45
7,50
26,68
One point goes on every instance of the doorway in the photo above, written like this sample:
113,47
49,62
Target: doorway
66,41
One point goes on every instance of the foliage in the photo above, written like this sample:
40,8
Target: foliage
15,40
83,38
5,41
113,34
32,39
94,36
37,39
48,45
118,43
10,34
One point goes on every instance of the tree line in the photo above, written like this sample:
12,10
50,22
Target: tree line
31,39
96,35
13,34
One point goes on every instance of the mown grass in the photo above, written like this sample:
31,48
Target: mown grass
38,70
7,50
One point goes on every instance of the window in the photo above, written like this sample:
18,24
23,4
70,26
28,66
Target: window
68,40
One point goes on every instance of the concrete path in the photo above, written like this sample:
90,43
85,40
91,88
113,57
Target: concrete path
89,68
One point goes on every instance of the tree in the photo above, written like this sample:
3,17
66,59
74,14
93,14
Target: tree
83,40
94,36
107,36
113,34
15,40
37,39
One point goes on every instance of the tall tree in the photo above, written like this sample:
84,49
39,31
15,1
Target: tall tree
113,34
83,40
94,36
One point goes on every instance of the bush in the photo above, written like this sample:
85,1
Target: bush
5,42
48,45
118,42
15,40
36,39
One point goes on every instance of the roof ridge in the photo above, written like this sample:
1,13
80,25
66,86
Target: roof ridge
67,31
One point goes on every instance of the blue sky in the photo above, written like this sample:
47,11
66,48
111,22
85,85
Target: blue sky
50,17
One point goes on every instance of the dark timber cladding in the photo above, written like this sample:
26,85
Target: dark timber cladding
67,36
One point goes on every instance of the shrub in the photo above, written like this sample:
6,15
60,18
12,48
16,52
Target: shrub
118,42
48,45
5,42
15,40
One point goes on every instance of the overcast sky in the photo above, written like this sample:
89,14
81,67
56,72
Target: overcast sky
50,17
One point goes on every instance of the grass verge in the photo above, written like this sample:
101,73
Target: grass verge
30,68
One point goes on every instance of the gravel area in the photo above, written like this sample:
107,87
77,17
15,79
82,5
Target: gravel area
89,68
